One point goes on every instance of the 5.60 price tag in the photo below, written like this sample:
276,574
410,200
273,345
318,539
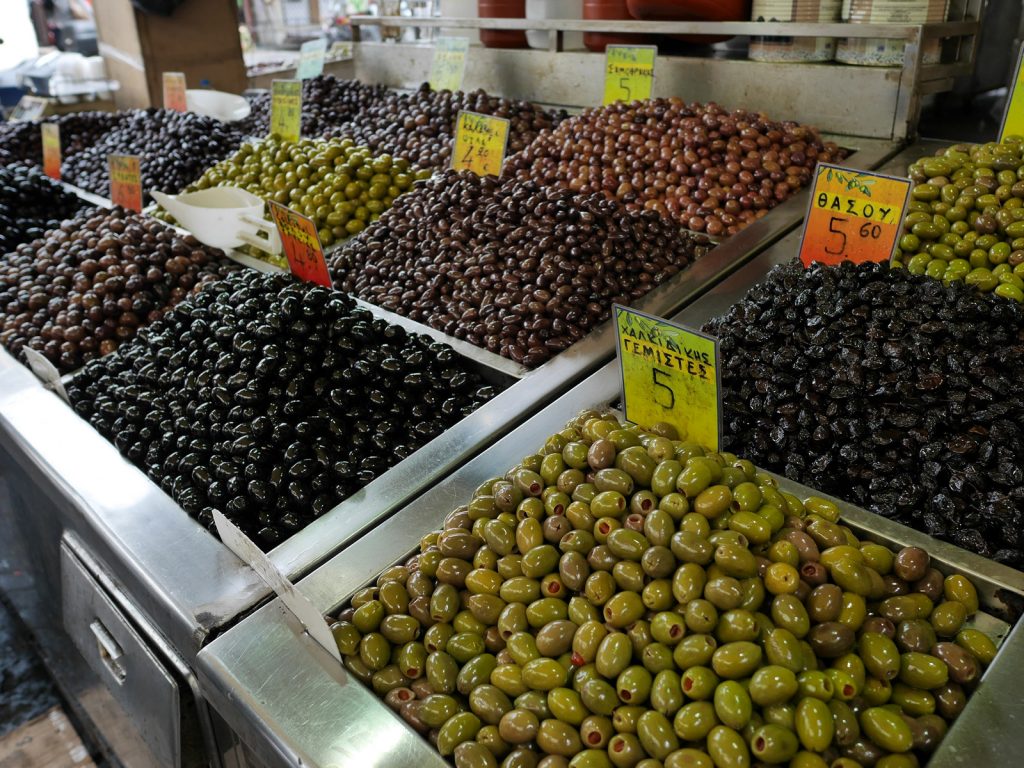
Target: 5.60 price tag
629,72
301,245
853,216
669,374
480,143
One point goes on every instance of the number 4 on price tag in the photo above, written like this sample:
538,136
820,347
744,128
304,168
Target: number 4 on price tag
853,216
670,374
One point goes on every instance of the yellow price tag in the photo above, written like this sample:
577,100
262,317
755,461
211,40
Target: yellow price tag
629,72
1013,117
51,150
174,91
286,109
480,142
669,374
449,65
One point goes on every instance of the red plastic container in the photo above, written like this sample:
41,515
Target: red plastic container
600,10
691,10
502,9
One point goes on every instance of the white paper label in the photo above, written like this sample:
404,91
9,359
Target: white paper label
293,599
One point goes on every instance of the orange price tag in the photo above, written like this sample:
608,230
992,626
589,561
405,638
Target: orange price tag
126,181
480,142
174,91
51,150
301,245
853,216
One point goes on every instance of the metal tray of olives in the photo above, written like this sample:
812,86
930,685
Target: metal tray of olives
294,723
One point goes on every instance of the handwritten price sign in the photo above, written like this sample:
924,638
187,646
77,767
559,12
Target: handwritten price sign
51,150
669,374
853,216
174,91
125,181
1013,117
629,72
301,245
311,59
448,67
480,143
286,109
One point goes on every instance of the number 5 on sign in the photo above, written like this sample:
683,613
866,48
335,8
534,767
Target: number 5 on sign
853,216
669,374
629,72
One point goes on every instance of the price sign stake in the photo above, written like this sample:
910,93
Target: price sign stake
174,91
853,216
669,374
448,67
629,72
286,109
1013,117
301,245
51,150
480,143
125,181
311,59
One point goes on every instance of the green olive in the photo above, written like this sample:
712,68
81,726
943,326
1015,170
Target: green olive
736,660
773,744
656,734
814,724
887,729
727,748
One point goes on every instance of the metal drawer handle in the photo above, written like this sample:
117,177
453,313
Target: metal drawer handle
110,651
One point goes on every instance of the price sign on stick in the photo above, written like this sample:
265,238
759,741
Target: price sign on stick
448,67
669,374
853,216
480,143
286,109
51,150
125,181
174,91
311,59
1013,117
629,72
301,245
29,108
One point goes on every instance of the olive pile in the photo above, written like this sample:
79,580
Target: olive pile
174,147
23,141
624,596
31,203
340,186
272,400
327,102
521,270
90,284
893,391
420,126
966,219
709,169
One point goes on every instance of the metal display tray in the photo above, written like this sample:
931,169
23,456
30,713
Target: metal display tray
187,582
292,704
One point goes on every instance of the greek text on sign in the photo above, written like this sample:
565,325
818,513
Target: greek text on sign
311,59
125,181
853,216
669,374
629,72
448,67
1013,117
286,109
51,150
301,245
480,142
174,91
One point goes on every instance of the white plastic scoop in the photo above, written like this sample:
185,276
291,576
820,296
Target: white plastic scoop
227,107
223,217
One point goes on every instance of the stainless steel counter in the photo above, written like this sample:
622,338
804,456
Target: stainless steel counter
292,705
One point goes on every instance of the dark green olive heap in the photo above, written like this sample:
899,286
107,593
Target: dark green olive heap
340,186
966,219
272,400
623,596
